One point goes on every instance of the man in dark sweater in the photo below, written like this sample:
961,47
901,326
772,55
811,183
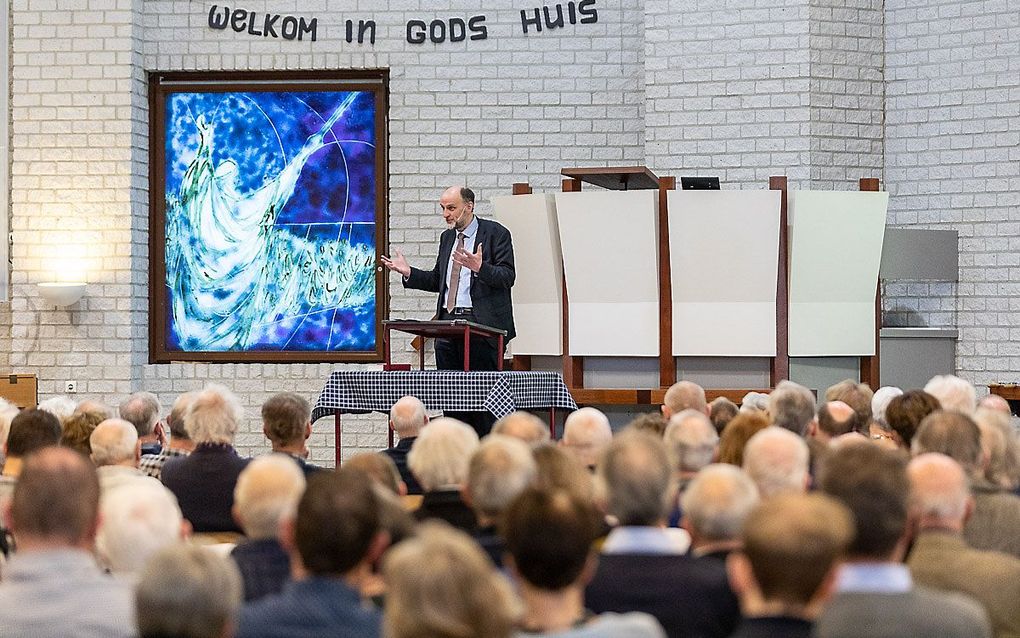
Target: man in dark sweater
787,568
204,481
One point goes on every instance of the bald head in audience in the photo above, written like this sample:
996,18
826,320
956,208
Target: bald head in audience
777,461
684,395
408,417
691,441
792,406
996,403
953,393
715,506
858,396
115,442
524,426
939,493
835,418
586,433
266,494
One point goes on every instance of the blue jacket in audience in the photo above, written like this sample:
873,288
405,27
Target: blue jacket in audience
316,607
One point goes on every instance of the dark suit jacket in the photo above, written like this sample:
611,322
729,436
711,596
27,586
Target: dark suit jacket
689,596
203,483
447,505
490,286
264,567
398,454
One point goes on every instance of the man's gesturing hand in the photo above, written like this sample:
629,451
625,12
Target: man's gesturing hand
397,263
471,261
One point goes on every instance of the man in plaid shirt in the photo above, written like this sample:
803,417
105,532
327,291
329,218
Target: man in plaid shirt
179,444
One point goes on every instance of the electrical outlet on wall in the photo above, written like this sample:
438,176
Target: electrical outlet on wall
71,387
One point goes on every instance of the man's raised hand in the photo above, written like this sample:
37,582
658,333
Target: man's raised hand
397,263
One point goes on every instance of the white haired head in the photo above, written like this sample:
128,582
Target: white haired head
938,489
586,433
137,520
881,400
691,441
716,503
213,416
60,407
499,470
440,455
953,393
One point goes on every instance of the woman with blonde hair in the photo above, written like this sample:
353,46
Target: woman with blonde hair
441,585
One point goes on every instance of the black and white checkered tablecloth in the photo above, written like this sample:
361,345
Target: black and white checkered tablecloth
355,392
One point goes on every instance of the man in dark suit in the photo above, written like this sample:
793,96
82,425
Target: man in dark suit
473,274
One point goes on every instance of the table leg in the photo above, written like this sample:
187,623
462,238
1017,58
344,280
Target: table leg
336,437
389,430
467,349
552,422
499,364
386,348
421,355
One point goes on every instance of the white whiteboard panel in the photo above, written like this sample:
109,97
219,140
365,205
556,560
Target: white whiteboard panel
835,252
538,289
724,260
610,259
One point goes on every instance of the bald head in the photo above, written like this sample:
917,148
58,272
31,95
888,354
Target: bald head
407,416
836,418
684,395
524,426
995,403
939,492
114,442
45,511
777,461
585,434
717,502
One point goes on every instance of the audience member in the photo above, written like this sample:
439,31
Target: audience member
31,430
715,505
143,410
440,585
792,406
265,498
558,470
792,546
60,407
940,504
953,393
439,460
549,537
204,481
586,433
524,426
691,441
115,452
721,410
755,402
683,395
180,444
996,403
1000,445
187,592
500,469
858,396
875,595
407,418
644,564
996,512
381,469
777,461
136,521
905,413
653,423
52,585
835,418
736,435
7,413
77,429
333,542
881,400
287,423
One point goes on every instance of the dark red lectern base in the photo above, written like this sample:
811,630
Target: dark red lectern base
440,328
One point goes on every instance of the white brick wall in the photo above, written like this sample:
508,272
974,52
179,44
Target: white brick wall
952,157
743,89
